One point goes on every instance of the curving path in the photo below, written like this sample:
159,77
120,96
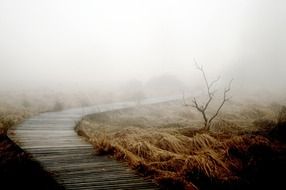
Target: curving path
51,139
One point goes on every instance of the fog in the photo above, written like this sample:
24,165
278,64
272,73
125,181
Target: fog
92,43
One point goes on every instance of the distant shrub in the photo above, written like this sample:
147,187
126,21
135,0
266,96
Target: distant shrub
7,121
26,104
58,106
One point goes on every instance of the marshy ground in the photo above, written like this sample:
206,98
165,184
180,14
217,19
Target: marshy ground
244,149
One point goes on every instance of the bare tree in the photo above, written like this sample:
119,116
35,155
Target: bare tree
202,108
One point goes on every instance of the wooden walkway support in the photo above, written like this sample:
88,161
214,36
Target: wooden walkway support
51,139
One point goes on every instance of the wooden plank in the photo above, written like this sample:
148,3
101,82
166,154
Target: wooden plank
51,139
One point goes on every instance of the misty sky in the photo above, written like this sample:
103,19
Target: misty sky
96,40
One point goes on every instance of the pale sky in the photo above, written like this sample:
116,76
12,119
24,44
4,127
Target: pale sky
99,40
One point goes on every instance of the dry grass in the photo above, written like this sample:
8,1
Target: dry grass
162,143
9,118
16,105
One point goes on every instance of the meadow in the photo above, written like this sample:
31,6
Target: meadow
244,148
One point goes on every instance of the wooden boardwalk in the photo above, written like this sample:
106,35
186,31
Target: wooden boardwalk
51,139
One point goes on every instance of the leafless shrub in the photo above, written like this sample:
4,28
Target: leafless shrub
203,108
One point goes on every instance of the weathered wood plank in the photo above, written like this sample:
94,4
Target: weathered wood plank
51,139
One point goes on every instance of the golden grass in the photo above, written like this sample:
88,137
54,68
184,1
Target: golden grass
16,105
161,154
174,154
11,118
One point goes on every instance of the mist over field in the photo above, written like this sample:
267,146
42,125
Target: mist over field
95,45
185,94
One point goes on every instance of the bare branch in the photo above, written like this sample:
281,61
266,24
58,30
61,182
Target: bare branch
225,99
229,85
214,81
196,105
202,108
208,103
197,65
208,85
